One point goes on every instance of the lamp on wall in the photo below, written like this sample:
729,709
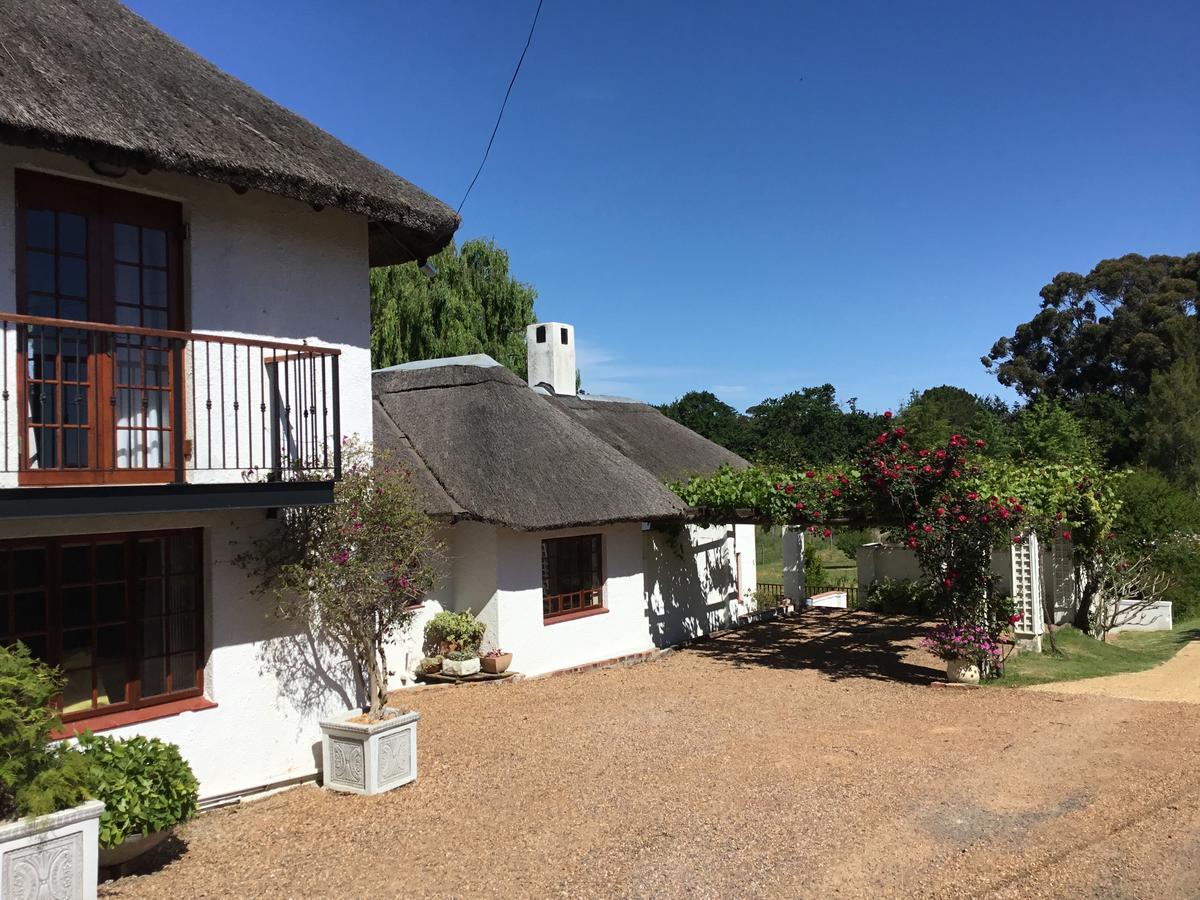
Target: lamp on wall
108,170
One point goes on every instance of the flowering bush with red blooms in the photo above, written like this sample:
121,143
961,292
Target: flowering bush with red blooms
951,527
810,498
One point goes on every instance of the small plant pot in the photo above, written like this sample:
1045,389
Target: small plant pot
53,855
132,847
460,667
962,671
494,665
369,757
431,664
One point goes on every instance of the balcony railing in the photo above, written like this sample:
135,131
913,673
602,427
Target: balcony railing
90,403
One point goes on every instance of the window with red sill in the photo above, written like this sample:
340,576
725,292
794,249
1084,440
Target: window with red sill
121,615
572,576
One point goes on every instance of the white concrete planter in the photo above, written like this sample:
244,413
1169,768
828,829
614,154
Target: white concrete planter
962,671
369,758
460,667
51,857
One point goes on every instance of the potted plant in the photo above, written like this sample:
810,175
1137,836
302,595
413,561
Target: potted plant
147,788
969,650
449,631
48,825
353,571
431,664
494,662
460,663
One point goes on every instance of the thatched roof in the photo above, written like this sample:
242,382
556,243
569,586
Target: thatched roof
91,79
489,448
656,442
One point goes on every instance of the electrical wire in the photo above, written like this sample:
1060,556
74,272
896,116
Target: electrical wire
500,115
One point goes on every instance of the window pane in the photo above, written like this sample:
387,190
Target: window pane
112,643
154,637
110,683
29,612
150,557
183,632
72,233
125,243
183,671
39,228
110,562
154,318
110,602
72,276
154,247
154,676
41,305
76,310
127,284
154,287
183,594
77,606
129,315
77,564
183,553
37,647
28,567
39,272
152,597
77,648
77,695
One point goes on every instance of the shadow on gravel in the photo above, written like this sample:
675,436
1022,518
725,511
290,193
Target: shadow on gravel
840,643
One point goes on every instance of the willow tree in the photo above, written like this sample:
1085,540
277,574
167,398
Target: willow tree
471,305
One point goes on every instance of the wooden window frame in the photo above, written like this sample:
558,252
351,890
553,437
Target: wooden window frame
599,591
131,709
102,207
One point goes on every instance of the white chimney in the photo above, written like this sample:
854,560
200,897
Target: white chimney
551,349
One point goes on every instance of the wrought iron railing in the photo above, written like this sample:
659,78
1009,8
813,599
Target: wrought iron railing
86,403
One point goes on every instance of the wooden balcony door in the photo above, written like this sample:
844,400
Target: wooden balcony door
96,407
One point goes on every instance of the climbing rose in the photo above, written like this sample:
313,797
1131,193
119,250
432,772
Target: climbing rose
1014,618
1066,535
788,489
810,474
826,533
887,414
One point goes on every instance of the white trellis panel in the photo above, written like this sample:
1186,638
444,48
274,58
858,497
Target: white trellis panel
1027,587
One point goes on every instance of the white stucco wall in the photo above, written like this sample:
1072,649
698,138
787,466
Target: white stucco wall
255,266
271,684
692,577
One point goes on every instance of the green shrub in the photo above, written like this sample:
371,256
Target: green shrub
849,540
915,597
1160,519
460,655
145,783
461,629
36,775
814,569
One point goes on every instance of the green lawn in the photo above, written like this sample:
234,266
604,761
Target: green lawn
1085,657
839,568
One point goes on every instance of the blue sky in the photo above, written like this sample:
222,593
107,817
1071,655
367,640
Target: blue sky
755,197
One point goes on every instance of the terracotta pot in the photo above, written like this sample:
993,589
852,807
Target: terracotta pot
962,671
494,665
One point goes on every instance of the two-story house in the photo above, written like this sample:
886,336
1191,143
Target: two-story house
184,326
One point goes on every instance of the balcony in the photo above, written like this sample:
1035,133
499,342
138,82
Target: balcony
102,418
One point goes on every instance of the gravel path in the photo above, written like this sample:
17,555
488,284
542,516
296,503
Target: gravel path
785,759
1176,680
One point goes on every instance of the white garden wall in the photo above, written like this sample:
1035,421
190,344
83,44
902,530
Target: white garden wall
692,579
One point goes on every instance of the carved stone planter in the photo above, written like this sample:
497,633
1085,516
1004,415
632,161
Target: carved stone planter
460,667
369,757
53,857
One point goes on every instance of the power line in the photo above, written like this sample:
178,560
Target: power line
500,115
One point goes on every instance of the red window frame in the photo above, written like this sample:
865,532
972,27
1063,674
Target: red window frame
135,620
573,579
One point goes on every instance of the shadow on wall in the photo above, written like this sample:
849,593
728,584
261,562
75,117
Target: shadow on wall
311,672
839,643
688,595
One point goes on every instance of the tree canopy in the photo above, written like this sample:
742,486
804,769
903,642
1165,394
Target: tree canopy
472,305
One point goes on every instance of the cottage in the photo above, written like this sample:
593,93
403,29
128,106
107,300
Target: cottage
561,535
184,320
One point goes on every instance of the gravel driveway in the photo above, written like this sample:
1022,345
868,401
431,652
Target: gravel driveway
786,759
